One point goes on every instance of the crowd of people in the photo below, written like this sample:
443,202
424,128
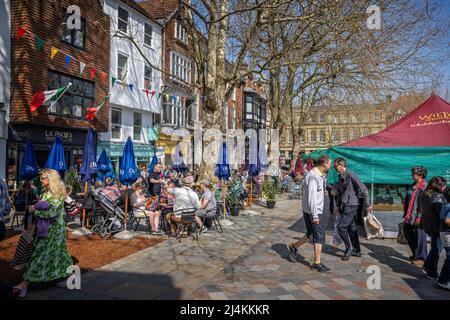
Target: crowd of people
426,214
162,195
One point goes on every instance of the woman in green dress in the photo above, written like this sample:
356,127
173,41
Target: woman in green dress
50,259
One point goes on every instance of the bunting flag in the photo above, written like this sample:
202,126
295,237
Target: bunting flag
20,33
82,66
39,42
123,84
167,98
68,58
131,87
92,71
146,92
104,75
113,81
53,53
153,93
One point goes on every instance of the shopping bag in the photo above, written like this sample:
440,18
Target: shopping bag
24,250
336,240
401,235
373,227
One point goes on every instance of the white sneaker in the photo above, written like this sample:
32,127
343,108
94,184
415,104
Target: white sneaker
443,286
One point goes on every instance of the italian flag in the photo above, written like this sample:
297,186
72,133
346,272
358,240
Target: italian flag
44,97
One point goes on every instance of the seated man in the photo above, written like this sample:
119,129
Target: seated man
207,204
184,198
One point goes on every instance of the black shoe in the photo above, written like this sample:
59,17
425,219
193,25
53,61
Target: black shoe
292,252
347,255
430,275
319,267
357,254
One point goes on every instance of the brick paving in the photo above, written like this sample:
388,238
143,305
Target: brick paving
250,261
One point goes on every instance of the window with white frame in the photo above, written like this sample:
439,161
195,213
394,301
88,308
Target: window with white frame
181,32
122,65
148,73
180,68
122,22
137,126
116,123
148,34
173,112
233,119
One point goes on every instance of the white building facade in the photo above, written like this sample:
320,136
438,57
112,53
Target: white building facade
134,99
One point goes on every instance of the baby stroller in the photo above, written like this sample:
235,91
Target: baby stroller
114,220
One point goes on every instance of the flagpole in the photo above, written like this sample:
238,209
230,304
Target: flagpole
57,99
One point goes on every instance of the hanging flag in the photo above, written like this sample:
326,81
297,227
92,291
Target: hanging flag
39,42
68,59
131,87
113,81
92,71
82,66
43,97
103,75
153,93
20,33
54,51
90,115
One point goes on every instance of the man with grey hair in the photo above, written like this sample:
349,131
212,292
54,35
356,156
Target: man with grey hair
207,204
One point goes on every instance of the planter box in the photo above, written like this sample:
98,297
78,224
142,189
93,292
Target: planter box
270,204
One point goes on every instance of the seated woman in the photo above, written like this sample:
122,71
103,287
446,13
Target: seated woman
141,210
207,204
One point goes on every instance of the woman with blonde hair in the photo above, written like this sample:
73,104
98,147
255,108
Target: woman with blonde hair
50,259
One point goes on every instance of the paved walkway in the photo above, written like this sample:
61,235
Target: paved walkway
249,261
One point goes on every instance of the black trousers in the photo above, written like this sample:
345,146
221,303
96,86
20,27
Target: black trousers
347,229
2,230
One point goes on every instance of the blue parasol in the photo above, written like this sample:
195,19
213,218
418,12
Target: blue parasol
56,160
89,165
29,169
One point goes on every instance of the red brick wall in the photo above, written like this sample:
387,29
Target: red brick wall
159,8
30,66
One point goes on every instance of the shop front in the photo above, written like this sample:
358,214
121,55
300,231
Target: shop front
42,138
143,153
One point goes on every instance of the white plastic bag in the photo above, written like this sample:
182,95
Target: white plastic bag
373,227
336,240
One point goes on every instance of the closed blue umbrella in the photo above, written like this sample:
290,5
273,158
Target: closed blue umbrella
153,163
253,168
56,160
223,168
128,171
178,162
29,169
104,167
89,164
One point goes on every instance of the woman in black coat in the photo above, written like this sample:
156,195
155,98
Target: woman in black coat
431,204
414,234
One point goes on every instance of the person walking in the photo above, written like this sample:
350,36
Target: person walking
414,233
431,204
349,188
50,259
313,208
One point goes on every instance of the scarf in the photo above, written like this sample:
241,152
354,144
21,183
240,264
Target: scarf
420,186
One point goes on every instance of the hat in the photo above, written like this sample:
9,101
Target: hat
205,182
186,182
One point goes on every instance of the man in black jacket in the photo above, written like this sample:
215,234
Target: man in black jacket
349,188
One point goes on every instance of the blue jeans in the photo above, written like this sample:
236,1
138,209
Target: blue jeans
431,264
444,277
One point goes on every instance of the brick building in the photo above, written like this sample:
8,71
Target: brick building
33,70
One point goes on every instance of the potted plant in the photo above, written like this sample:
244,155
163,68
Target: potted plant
233,198
269,191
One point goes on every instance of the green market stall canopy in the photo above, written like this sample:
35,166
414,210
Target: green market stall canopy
420,138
